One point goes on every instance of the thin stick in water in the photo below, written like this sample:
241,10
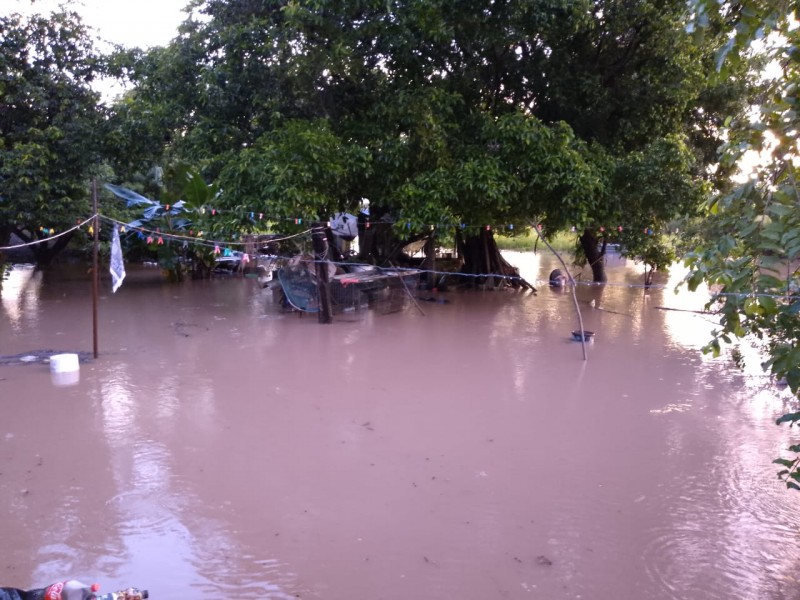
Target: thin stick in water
572,284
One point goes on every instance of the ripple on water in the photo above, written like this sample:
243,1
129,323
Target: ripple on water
247,577
162,534
685,509
725,535
56,557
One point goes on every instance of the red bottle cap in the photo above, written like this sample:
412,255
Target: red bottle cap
95,587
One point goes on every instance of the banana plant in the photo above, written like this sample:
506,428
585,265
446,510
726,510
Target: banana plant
177,227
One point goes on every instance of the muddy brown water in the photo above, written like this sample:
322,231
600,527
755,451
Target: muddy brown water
220,448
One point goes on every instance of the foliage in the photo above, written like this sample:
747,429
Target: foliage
752,245
439,112
300,169
653,186
51,125
184,211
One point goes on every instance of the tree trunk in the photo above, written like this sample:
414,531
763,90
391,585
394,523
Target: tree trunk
430,262
377,243
45,252
482,257
5,238
594,256
648,276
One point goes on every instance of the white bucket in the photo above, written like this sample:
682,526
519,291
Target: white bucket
64,363
65,369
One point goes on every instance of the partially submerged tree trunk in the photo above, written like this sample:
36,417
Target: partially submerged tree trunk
46,251
594,255
430,262
5,237
649,273
379,245
200,270
376,242
482,257
480,254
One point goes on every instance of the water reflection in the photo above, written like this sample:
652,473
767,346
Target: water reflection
701,552
684,312
20,295
228,449
153,502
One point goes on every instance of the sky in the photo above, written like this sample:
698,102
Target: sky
142,23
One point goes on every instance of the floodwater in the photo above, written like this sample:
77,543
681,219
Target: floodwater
220,448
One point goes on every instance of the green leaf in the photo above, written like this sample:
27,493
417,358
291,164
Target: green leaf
768,304
788,418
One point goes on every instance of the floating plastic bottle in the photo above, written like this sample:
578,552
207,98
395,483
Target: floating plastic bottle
75,590
127,594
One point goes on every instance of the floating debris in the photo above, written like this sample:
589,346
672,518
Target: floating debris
587,335
34,357
188,329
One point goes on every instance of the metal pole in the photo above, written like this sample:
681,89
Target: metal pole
95,266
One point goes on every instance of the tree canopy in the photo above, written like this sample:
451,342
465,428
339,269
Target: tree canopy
50,125
442,112
593,114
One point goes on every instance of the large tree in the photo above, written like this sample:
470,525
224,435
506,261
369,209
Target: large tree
477,112
50,126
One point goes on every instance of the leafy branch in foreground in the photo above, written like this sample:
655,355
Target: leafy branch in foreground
752,244
790,474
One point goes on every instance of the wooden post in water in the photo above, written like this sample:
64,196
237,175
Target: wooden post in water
95,266
430,260
320,244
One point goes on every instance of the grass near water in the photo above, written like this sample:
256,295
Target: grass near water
523,243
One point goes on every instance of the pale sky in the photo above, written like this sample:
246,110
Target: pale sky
142,23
